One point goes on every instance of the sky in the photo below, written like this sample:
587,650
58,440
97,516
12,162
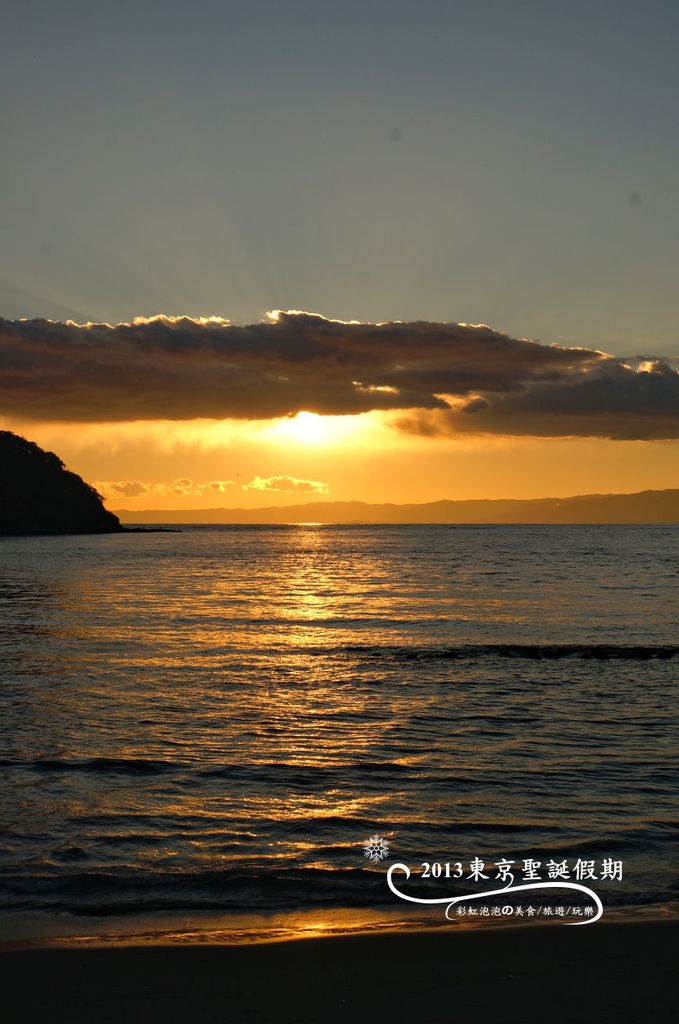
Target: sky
411,166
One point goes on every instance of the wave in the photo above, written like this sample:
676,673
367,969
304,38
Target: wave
101,893
536,652
94,765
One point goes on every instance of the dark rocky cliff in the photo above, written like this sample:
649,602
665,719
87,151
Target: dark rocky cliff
39,495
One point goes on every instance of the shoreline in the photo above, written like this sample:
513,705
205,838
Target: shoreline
41,931
608,972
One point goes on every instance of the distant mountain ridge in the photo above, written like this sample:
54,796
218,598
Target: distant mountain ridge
640,507
38,495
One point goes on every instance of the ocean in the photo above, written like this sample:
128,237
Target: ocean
200,729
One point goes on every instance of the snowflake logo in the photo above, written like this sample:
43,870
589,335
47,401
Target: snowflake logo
376,848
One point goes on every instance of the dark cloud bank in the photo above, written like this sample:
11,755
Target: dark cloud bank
447,378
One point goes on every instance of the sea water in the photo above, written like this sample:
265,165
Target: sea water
206,724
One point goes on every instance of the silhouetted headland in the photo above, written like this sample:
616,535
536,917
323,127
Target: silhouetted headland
38,495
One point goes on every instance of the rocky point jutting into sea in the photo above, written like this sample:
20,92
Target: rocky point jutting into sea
38,495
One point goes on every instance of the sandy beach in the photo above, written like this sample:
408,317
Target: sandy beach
604,973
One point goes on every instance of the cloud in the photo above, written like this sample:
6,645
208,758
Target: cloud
184,487
443,378
135,489
286,483
611,400
180,368
125,488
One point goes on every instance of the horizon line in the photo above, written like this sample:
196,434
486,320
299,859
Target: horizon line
650,506
434,501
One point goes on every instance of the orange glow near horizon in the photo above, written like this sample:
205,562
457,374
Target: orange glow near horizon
305,428
202,464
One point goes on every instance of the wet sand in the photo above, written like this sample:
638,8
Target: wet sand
553,974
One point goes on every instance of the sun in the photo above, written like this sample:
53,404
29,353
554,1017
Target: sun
307,427
312,430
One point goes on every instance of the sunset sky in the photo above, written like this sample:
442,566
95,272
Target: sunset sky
396,176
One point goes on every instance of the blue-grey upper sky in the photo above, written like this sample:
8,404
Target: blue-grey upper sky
513,164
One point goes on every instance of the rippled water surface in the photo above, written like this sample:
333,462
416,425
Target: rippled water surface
214,720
